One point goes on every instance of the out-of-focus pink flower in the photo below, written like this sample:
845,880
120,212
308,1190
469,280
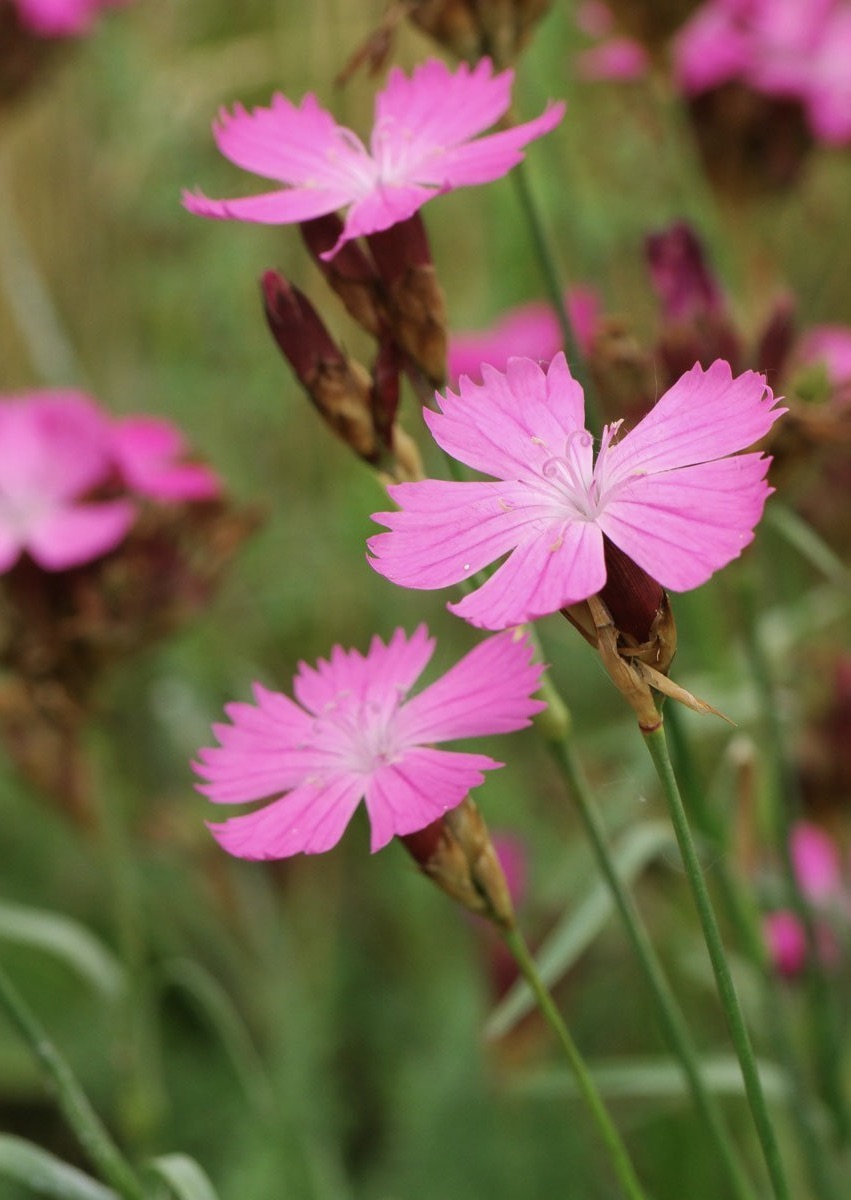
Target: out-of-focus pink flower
514,860
786,940
669,494
148,450
352,735
783,48
424,142
57,449
54,449
528,331
830,345
595,18
815,860
61,18
622,59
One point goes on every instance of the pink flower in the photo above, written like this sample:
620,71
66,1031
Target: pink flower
784,48
421,145
815,860
528,331
668,494
830,345
147,451
818,871
54,449
623,59
786,941
353,736
61,18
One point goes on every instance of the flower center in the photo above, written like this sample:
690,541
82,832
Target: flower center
575,480
360,730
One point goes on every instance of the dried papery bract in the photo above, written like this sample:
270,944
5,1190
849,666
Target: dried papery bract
457,854
350,273
473,29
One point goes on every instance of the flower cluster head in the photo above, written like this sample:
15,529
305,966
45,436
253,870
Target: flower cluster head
668,494
351,734
424,142
788,49
61,18
818,871
68,472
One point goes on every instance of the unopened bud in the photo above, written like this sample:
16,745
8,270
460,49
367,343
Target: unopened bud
456,852
339,387
415,301
777,339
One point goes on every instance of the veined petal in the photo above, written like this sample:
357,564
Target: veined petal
386,205
511,422
488,691
271,208
445,532
295,144
682,526
487,158
705,415
308,820
405,796
390,670
541,576
79,533
438,107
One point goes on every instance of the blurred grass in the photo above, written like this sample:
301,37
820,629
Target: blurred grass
362,993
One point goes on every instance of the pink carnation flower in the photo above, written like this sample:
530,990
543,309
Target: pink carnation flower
528,331
148,451
792,49
667,494
353,735
421,145
61,18
55,448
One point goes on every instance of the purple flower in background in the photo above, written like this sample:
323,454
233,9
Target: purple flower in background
61,18
424,142
671,494
352,734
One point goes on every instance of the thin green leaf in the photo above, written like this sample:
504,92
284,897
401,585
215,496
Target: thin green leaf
46,1175
581,924
183,1176
65,939
654,1079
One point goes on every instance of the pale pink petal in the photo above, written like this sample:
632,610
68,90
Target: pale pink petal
705,415
385,206
79,533
309,820
682,526
405,796
530,331
272,208
146,448
547,573
487,158
710,50
488,691
815,858
446,531
496,426
391,669
437,107
54,445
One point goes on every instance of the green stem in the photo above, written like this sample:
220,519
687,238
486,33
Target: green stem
670,1015
547,260
744,918
74,1103
824,1026
618,1151
658,747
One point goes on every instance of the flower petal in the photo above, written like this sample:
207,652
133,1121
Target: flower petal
682,526
308,820
75,535
405,796
538,578
512,419
389,670
271,208
487,158
385,206
488,691
705,415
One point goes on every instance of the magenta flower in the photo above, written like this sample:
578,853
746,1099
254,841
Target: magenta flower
667,494
831,346
789,49
528,331
148,453
818,871
61,18
422,144
54,449
352,735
